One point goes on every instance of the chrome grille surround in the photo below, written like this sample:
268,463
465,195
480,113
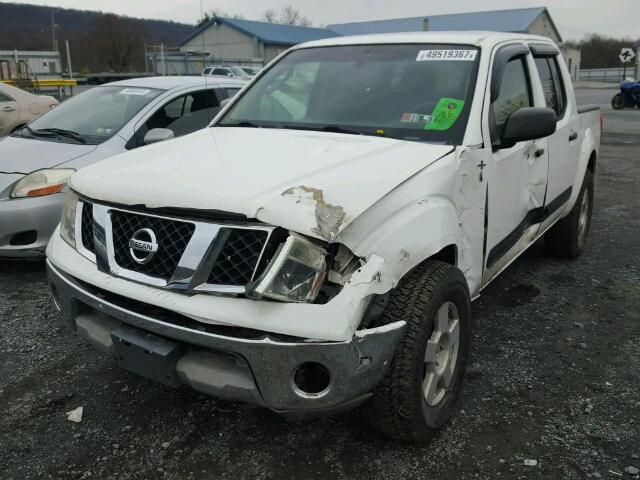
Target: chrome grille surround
196,261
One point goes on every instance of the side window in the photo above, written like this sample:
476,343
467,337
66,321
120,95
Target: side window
182,115
221,71
554,91
515,93
560,88
5,98
231,92
548,84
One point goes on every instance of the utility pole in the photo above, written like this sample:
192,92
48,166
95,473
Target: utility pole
69,60
54,40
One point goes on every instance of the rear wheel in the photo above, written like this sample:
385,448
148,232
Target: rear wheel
424,380
568,237
617,102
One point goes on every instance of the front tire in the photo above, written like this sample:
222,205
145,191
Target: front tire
424,379
568,237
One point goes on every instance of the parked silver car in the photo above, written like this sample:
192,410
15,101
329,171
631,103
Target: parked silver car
37,160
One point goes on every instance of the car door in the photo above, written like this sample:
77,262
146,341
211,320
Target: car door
563,144
182,114
518,173
9,114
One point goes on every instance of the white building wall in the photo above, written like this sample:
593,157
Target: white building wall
222,41
543,26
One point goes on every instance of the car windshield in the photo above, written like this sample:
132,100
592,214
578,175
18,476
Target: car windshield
91,117
419,92
238,71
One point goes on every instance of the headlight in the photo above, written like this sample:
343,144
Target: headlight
295,274
68,221
42,182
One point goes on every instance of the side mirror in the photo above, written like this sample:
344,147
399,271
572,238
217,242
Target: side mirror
156,135
528,123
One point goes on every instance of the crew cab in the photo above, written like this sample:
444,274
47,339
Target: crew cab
319,245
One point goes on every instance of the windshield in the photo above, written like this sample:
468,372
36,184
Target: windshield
411,92
238,71
95,115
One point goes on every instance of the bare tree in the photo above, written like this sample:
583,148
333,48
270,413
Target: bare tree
288,16
116,41
270,16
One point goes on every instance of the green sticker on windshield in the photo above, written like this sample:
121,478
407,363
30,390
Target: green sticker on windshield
445,114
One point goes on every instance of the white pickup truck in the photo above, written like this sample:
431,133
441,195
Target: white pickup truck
319,245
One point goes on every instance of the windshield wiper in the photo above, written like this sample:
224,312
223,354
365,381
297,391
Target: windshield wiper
35,133
327,128
62,133
245,123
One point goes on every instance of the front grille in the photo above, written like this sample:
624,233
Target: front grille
238,257
86,226
172,237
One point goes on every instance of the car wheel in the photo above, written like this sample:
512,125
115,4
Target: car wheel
568,237
424,379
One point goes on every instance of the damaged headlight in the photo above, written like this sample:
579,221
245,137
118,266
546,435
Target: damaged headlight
68,221
296,272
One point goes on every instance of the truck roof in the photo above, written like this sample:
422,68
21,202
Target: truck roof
479,38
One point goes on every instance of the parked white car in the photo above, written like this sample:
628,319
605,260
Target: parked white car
18,107
229,72
320,244
36,161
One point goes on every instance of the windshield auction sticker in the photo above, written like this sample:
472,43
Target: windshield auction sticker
446,55
445,114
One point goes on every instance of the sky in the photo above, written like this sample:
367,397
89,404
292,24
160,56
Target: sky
575,18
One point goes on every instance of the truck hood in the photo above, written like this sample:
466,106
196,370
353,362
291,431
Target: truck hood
26,155
314,183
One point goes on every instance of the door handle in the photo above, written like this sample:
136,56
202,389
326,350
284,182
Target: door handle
573,136
539,152
8,108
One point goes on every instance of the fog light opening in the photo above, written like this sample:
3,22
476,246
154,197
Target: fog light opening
311,380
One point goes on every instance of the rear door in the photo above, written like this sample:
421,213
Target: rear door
563,144
518,174
9,114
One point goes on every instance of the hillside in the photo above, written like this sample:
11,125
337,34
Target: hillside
28,27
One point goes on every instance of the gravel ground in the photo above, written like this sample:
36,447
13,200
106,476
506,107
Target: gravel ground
553,379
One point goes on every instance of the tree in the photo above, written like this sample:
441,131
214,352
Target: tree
217,12
117,41
599,51
288,16
270,16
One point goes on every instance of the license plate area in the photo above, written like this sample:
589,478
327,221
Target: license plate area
148,355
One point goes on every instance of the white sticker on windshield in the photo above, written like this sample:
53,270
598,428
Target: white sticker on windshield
446,55
133,91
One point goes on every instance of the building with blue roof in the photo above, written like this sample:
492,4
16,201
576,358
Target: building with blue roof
230,40
522,20
248,41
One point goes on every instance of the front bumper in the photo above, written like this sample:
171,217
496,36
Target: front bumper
231,364
26,224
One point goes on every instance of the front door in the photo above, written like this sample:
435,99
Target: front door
518,176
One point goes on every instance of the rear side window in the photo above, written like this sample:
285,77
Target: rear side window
554,92
5,98
515,93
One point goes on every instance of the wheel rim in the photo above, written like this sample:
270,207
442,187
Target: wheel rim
583,221
441,355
